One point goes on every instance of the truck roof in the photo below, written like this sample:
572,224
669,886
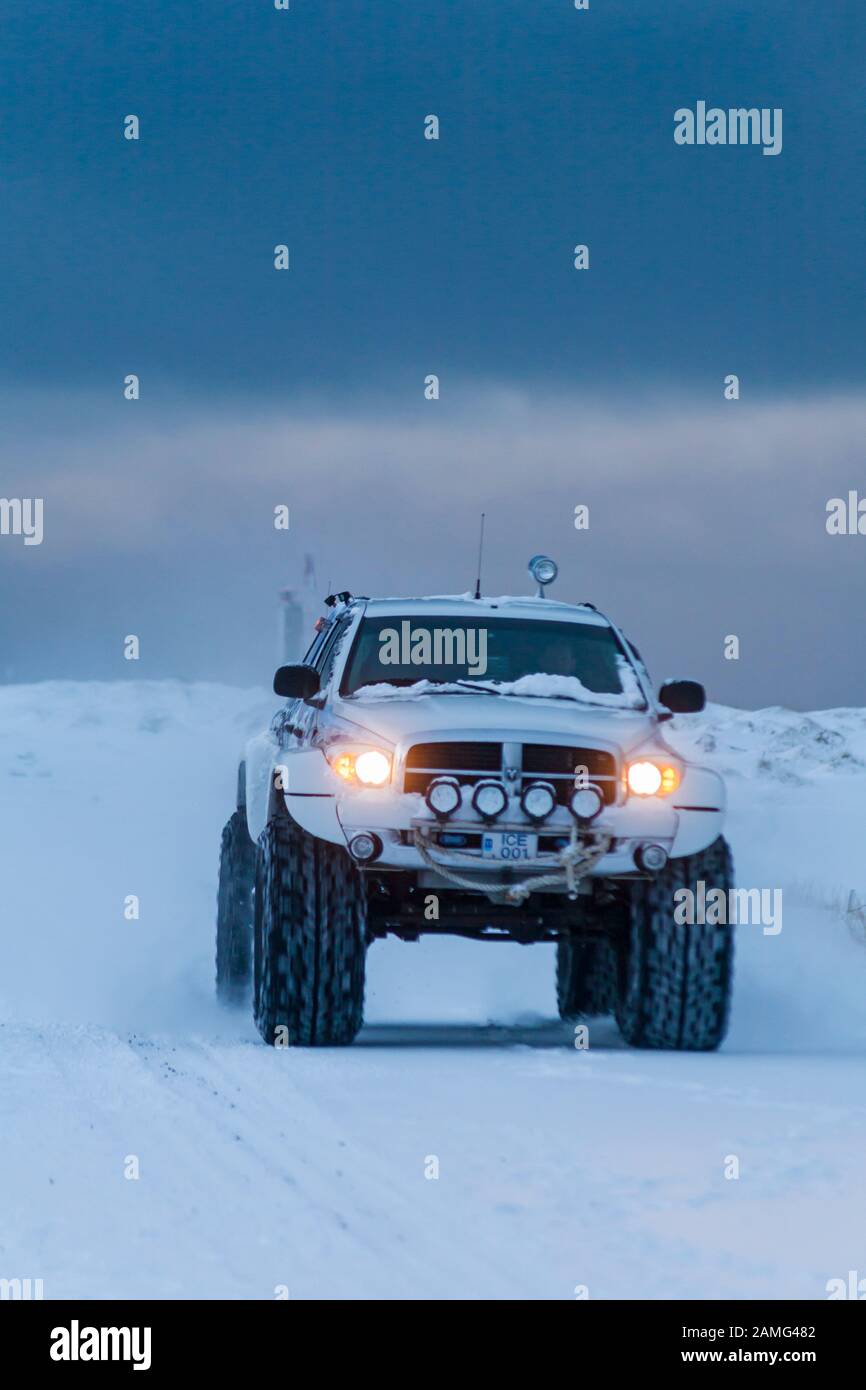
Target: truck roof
465,606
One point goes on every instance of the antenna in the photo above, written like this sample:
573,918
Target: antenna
477,593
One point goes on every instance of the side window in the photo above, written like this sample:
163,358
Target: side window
639,659
283,719
331,654
315,649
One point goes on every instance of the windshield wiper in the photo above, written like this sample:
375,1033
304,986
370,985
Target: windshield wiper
406,682
471,685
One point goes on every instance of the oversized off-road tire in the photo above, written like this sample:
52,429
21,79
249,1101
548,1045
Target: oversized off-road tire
235,911
675,979
585,978
310,940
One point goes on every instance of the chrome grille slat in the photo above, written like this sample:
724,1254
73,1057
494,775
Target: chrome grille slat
450,756
471,760
557,763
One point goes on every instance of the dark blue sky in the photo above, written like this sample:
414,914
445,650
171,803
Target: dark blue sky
305,127
409,257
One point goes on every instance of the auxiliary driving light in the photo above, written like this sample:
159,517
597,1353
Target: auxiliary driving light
365,847
586,803
544,571
538,800
489,799
651,858
443,796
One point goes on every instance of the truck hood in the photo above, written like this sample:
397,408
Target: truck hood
397,720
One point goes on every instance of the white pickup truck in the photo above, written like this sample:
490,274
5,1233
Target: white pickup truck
488,767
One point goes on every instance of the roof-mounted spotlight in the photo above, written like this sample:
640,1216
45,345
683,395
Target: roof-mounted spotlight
489,798
443,796
543,571
537,801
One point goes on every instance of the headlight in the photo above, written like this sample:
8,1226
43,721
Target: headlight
373,767
370,767
646,778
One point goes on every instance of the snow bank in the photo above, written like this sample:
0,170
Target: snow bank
119,790
262,1166
775,744
112,791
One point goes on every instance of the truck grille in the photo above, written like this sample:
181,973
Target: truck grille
465,761
552,762
557,764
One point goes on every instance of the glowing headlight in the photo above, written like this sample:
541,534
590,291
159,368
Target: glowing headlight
371,767
538,800
345,766
647,778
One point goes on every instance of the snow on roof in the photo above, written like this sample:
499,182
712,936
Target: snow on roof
465,605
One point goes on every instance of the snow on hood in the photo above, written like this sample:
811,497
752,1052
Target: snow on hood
538,686
462,714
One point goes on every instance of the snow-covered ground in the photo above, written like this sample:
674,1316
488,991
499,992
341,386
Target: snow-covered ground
261,1168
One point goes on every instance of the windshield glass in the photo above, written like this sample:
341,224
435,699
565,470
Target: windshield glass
520,656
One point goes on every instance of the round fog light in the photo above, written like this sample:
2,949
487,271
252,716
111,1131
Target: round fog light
489,799
651,858
365,847
586,803
443,796
538,800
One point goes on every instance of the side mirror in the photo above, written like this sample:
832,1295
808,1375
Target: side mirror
296,682
683,697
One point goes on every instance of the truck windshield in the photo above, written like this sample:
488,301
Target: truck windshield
495,653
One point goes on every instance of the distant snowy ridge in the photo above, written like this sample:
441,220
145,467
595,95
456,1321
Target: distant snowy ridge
774,743
142,706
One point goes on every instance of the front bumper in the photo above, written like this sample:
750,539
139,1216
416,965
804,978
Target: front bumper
683,824
394,818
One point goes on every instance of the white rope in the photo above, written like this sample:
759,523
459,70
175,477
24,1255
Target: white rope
571,865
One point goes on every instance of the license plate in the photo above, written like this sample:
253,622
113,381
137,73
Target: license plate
509,845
